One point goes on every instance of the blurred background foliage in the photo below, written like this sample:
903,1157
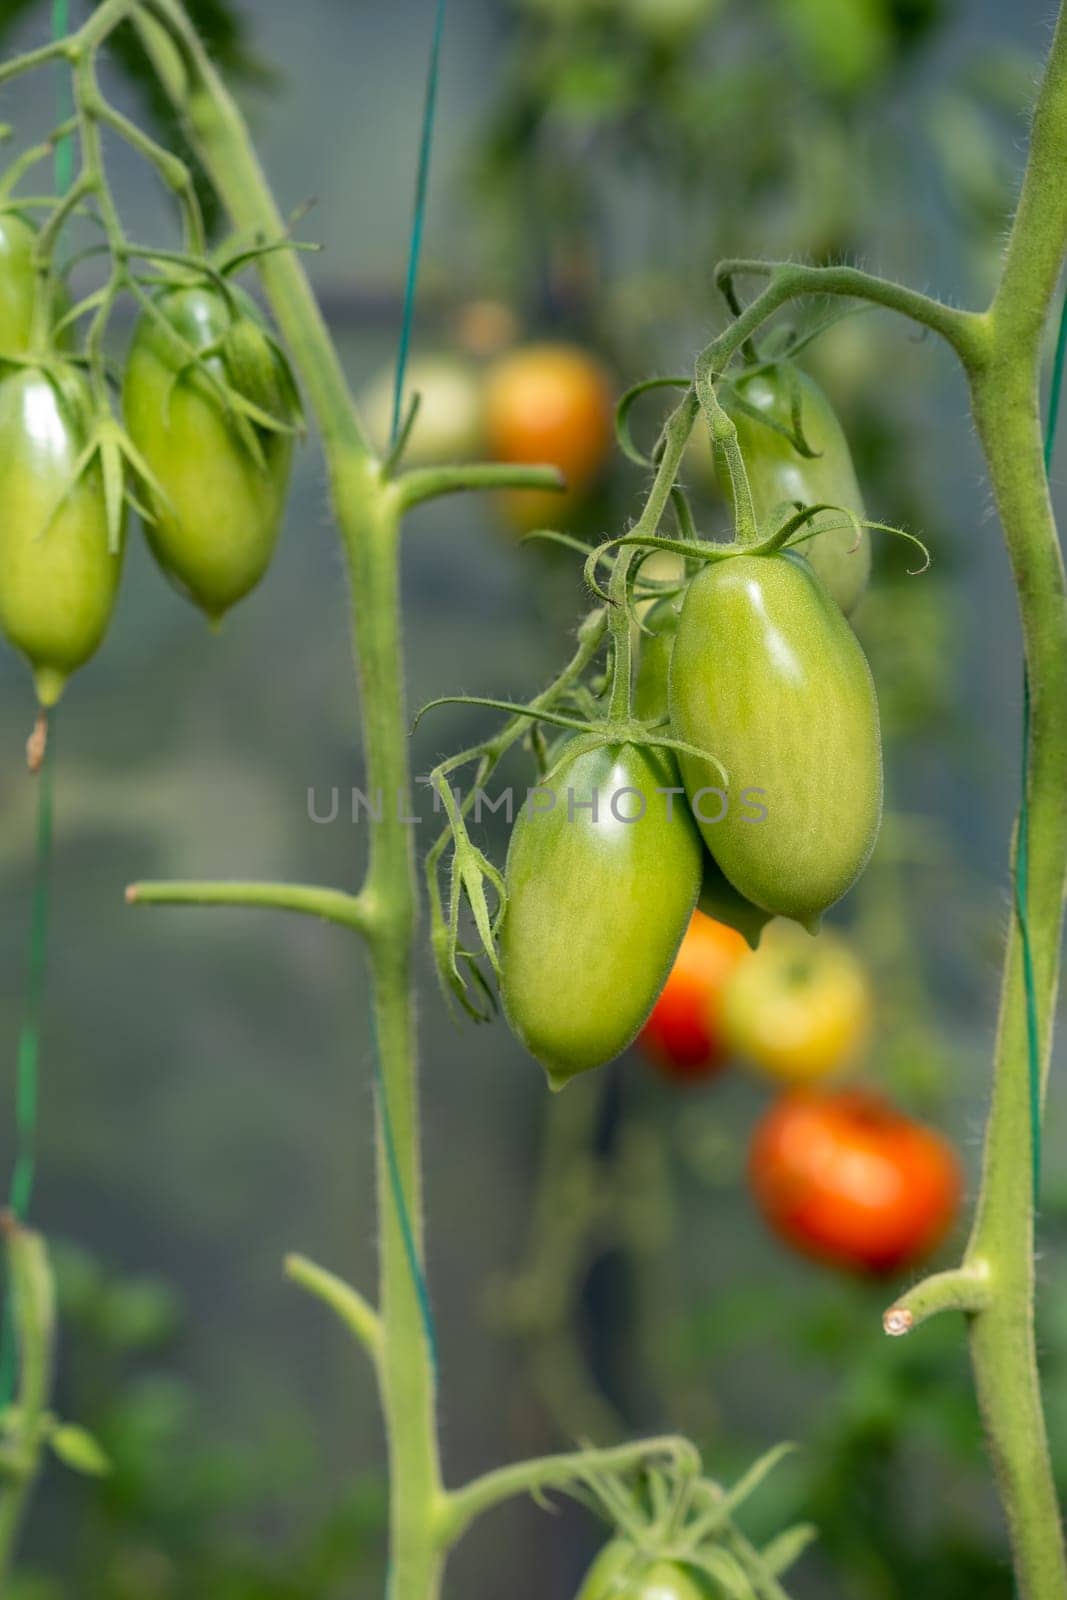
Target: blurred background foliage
206,1097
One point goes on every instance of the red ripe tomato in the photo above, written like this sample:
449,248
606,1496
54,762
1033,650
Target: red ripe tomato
847,1178
683,1034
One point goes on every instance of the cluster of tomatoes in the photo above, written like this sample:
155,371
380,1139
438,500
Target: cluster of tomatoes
755,662
209,414
838,1171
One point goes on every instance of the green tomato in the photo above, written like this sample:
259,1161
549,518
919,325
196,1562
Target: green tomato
768,676
779,475
450,423
216,523
718,897
621,1573
653,661
58,579
721,901
17,284
596,907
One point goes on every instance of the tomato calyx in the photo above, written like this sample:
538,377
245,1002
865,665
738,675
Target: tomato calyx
676,1535
472,873
785,537
241,364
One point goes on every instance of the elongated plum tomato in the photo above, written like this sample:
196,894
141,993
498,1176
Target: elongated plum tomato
597,906
18,284
551,404
767,675
779,475
58,579
216,525
718,897
684,1033
800,1009
847,1178
621,1573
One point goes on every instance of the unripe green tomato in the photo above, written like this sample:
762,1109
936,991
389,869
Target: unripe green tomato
450,422
718,897
767,675
216,530
18,284
596,908
58,579
621,1573
660,623
722,902
779,475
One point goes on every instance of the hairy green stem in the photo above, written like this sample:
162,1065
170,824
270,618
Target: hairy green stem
460,1508
1004,372
333,905
367,512
33,1300
1001,353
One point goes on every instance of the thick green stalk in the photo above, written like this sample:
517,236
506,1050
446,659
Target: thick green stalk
1002,1241
367,512
1004,371
370,532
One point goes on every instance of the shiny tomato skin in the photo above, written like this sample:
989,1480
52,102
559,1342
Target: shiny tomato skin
596,910
846,1178
718,897
58,578
767,675
622,1573
800,1010
683,1035
552,404
779,475
216,525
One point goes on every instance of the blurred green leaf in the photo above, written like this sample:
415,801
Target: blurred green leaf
77,1449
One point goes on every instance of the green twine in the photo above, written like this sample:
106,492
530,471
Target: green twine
1022,847
64,159
26,1072
419,218
29,1039
26,1080
396,1181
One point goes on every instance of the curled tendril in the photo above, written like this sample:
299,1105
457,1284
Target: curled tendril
623,429
783,538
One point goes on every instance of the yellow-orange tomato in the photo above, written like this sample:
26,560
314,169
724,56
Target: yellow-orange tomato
800,1008
549,403
683,1035
847,1178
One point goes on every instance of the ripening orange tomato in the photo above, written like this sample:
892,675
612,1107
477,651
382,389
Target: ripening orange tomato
847,1178
683,1035
549,403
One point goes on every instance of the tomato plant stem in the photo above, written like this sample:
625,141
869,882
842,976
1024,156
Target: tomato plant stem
424,1521
1000,350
